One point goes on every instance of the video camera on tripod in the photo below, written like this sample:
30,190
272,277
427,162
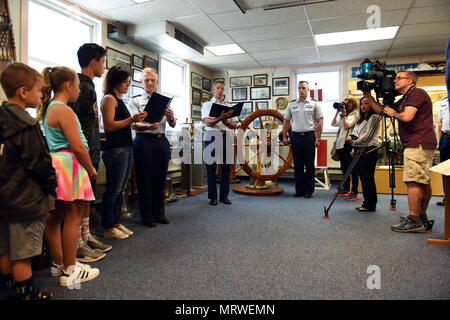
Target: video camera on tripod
375,77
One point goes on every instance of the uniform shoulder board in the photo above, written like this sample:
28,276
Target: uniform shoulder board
294,100
313,99
137,95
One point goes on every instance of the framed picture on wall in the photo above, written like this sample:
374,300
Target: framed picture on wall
196,80
260,93
241,81
281,103
257,124
206,96
247,108
135,90
136,75
151,63
196,111
206,84
137,61
280,86
262,104
116,58
260,80
196,96
238,94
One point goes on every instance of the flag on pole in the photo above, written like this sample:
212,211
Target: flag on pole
316,94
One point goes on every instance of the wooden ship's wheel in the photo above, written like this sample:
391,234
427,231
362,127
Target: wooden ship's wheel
263,124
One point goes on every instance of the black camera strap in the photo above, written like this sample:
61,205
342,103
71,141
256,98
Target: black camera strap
404,98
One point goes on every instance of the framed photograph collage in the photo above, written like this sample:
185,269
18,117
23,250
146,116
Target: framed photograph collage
134,64
258,89
117,58
201,92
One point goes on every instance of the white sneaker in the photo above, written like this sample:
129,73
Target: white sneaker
122,228
79,274
57,270
115,234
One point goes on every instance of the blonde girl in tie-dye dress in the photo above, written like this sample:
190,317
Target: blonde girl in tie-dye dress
73,166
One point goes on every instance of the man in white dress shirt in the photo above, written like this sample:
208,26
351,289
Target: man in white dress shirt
151,154
218,128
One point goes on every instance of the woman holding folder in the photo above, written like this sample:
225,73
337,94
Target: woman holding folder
118,156
151,153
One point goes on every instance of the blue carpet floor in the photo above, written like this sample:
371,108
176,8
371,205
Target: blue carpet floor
270,248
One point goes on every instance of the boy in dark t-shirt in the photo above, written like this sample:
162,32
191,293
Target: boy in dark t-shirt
91,58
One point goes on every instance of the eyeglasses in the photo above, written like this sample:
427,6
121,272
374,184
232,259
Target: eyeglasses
398,78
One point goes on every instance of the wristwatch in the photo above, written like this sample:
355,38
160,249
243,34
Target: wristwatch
394,114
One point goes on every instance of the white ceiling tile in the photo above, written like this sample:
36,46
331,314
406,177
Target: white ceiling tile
290,61
356,55
284,54
271,32
424,29
352,47
235,58
216,38
155,10
196,24
429,14
282,36
358,22
258,17
353,7
215,6
430,41
101,5
427,3
416,51
261,3
277,44
234,66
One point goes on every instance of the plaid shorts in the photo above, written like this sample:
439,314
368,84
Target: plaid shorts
416,164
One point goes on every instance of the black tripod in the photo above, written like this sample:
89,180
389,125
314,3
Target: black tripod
390,152
372,131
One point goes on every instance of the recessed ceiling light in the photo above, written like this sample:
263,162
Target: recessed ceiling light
225,50
329,39
141,1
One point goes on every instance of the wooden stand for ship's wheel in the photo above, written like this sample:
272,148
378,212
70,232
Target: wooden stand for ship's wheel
270,116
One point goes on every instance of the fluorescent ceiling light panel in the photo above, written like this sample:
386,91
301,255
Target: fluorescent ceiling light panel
329,39
226,50
140,1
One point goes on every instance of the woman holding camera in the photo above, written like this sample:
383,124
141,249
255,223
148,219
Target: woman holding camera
363,131
345,119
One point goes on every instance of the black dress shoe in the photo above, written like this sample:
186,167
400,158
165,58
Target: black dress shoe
226,201
299,194
149,224
163,221
308,195
213,202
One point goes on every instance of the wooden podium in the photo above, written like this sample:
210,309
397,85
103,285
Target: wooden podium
444,168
